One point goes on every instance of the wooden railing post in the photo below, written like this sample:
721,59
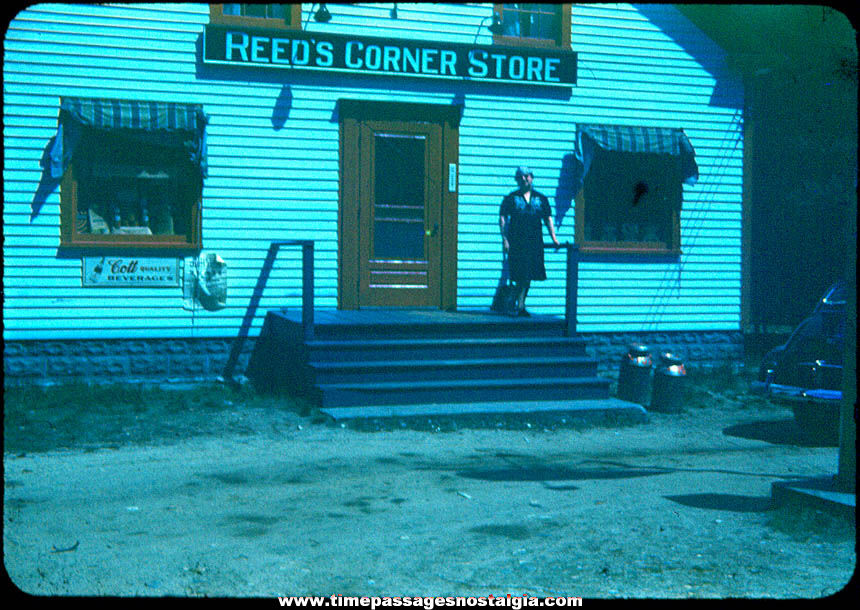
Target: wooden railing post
571,282
308,290
570,290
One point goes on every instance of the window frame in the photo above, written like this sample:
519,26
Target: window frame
70,238
562,41
670,248
217,16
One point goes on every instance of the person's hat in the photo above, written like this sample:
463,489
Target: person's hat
522,170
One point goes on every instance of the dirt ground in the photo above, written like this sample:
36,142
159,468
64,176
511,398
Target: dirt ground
245,500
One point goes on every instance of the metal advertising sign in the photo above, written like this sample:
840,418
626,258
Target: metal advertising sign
130,271
315,51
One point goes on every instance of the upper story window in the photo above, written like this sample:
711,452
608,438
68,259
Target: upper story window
261,15
525,23
132,173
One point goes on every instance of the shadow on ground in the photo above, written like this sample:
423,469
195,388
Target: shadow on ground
554,473
778,432
730,502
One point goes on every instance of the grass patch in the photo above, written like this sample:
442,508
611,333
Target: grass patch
726,385
86,416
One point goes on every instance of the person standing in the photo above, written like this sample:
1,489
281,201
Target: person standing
520,217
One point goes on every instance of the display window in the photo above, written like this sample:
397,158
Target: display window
132,173
632,201
629,184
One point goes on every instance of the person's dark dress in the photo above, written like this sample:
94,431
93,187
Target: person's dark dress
525,235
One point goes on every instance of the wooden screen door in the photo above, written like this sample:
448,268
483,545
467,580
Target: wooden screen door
400,214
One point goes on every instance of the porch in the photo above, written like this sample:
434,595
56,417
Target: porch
405,323
396,362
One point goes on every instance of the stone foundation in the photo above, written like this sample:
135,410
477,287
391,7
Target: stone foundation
195,360
697,349
148,360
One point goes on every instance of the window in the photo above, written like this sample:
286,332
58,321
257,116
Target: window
631,181
545,25
132,174
630,201
261,15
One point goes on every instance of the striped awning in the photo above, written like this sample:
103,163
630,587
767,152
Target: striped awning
179,125
131,114
636,139
626,138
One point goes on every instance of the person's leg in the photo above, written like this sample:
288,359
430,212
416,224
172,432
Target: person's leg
523,293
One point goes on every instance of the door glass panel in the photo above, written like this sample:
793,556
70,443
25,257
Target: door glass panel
398,206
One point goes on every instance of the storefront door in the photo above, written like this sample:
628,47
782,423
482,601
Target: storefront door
393,221
400,214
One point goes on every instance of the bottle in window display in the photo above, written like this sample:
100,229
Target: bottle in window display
649,233
129,208
117,221
610,233
160,216
630,231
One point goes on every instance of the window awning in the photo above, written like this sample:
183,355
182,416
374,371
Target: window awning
178,125
625,138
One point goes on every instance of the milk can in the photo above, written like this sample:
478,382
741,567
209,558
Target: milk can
670,385
634,379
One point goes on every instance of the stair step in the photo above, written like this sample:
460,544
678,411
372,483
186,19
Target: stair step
406,324
460,391
444,349
430,332
471,368
596,408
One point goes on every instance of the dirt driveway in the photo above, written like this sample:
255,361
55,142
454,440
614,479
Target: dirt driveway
276,504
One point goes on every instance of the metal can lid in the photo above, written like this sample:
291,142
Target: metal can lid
638,349
668,359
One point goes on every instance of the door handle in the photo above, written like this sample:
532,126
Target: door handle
432,232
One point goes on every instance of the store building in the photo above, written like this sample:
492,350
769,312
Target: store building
154,152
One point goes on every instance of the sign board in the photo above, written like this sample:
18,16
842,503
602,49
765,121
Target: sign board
316,51
130,271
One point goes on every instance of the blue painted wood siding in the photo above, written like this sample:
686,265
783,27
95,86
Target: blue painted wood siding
273,162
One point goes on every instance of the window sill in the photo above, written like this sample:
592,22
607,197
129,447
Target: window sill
517,41
609,249
140,247
254,22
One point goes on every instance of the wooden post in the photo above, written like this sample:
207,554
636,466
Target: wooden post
308,290
571,282
571,285
846,477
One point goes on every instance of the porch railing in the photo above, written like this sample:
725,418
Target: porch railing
570,284
307,246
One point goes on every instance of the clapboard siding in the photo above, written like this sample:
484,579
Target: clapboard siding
273,171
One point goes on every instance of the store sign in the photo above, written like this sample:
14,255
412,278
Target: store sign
130,271
300,50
